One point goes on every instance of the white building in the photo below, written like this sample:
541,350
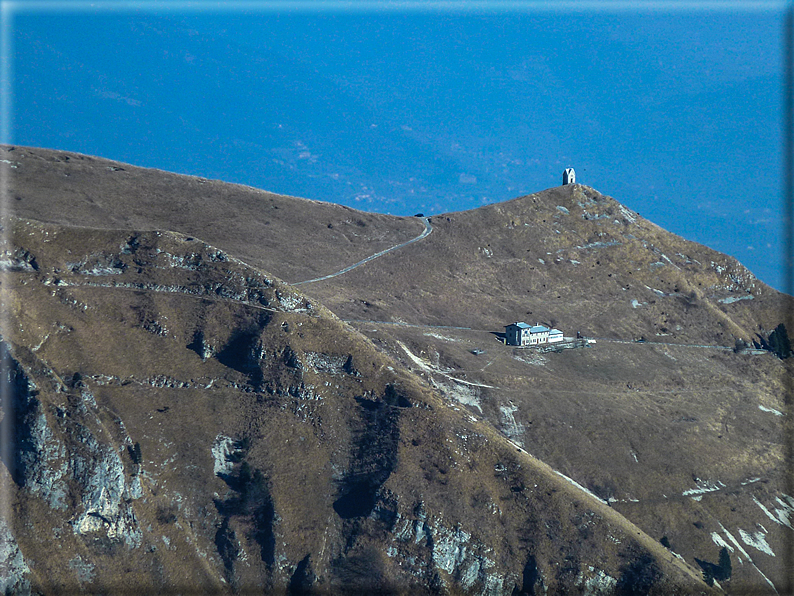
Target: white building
568,176
521,334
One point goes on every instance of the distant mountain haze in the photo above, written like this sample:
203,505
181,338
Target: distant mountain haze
406,112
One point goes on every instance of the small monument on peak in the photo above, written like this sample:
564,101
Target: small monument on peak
568,176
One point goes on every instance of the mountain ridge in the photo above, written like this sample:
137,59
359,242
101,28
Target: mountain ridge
679,433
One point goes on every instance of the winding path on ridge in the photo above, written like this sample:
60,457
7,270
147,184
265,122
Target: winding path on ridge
424,234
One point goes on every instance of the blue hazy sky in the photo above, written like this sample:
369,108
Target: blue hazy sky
675,113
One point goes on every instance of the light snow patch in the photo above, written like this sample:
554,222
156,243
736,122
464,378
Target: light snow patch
747,556
512,428
788,508
666,258
717,539
770,410
655,291
703,487
580,487
780,516
439,336
630,216
757,541
732,299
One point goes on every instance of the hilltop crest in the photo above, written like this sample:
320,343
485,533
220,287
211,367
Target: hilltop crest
398,414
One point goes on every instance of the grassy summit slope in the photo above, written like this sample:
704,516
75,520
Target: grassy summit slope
568,256
287,236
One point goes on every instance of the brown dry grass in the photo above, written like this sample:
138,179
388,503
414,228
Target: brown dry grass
684,412
464,474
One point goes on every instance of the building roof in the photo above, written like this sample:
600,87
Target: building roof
555,332
538,329
520,325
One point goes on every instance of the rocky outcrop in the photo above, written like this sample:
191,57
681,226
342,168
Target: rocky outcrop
56,456
106,493
36,459
98,265
373,458
18,259
425,545
248,504
14,571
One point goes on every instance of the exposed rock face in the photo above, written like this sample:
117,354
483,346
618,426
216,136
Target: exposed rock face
452,550
14,572
17,260
58,458
222,452
37,460
106,494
